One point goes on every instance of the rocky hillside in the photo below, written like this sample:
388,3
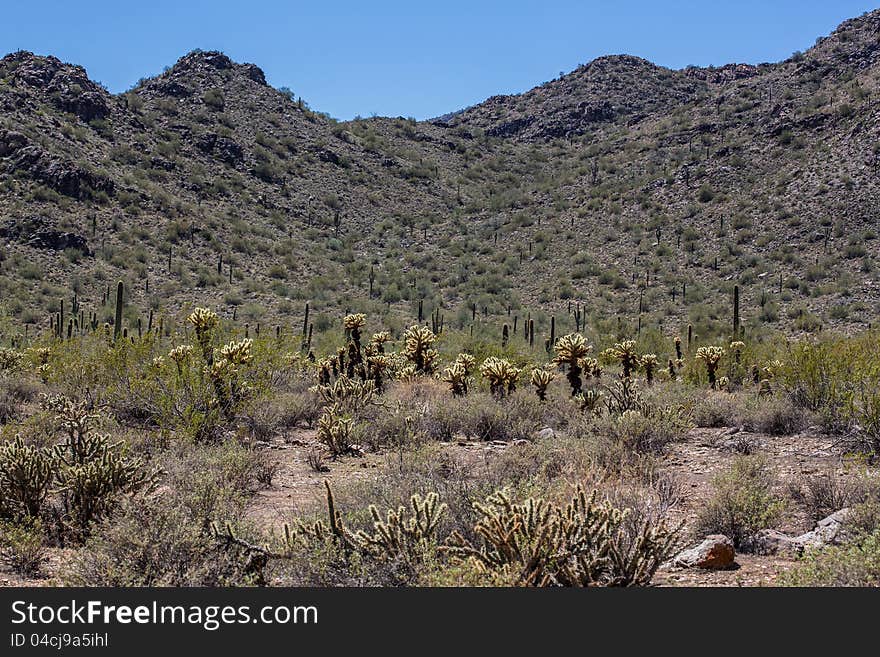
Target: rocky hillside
640,193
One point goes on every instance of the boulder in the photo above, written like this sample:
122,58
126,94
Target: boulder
770,541
828,531
716,552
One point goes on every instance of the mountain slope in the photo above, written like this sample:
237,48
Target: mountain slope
618,186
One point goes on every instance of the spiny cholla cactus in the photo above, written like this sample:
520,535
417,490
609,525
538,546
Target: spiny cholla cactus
181,355
90,471
711,356
649,363
26,475
336,432
589,401
586,543
378,341
353,325
571,350
591,368
236,353
772,368
417,349
625,353
677,343
458,374
354,322
378,367
404,535
10,359
349,394
736,347
502,375
205,322
225,375
540,379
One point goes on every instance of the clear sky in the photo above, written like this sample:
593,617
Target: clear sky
396,58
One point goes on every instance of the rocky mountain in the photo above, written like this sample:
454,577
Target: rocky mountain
640,193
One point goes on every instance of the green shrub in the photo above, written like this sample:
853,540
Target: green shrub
743,502
853,564
154,542
21,546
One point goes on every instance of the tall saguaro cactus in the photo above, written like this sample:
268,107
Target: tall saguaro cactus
117,322
736,312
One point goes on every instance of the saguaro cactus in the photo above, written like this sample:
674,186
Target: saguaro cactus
736,312
117,322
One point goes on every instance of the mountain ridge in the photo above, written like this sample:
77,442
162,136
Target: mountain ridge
684,180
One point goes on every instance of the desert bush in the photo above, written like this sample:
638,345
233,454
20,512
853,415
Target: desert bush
743,502
16,391
776,416
212,482
717,409
853,564
825,493
517,417
155,542
21,546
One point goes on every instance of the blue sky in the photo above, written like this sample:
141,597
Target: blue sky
398,58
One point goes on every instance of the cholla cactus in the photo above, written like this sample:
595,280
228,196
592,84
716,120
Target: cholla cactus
379,366
403,536
224,372
10,359
354,322
350,394
625,353
585,543
677,343
589,401
336,432
736,347
649,363
467,361
724,384
591,368
39,356
205,322
772,368
459,374
91,471
502,375
26,474
353,325
571,350
236,353
712,357
377,342
418,349
541,378
181,355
